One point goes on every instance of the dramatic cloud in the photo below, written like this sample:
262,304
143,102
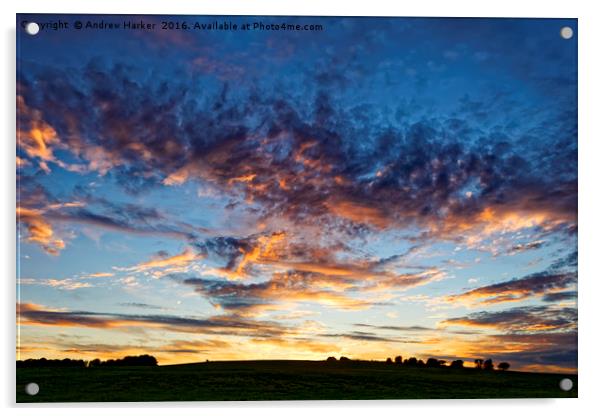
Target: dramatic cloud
521,319
40,213
336,286
320,168
31,314
34,135
558,277
39,230
519,289
285,288
298,201
161,265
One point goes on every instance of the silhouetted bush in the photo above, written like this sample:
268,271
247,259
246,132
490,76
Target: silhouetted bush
45,363
503,366
416,363
141,360
411,362
433,363
94,363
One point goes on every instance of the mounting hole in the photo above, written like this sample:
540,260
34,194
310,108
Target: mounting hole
566,384
566,32
32,389
32,28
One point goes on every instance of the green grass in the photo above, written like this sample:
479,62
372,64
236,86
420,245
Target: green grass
281,380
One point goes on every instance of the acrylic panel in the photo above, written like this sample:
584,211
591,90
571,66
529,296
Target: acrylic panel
295,208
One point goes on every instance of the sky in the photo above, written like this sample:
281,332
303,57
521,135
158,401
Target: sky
372,188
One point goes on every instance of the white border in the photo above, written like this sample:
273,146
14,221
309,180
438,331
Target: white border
590,207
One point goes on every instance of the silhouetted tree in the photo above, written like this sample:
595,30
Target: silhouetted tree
141,360
478,363
432,362
331,360
344,359
457,364
389,361
412,362
398,359
45,363
488,364
503,366
421,363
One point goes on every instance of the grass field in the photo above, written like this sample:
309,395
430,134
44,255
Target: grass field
281,380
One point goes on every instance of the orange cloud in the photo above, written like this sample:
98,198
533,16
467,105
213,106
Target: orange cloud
36,138
35,315
359,213
473,229
96,275
520,319
515,290
64,284
166,264
39,230
21,162
264,249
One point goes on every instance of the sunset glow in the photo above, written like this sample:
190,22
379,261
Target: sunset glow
379,188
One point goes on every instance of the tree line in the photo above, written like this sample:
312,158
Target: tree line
480,364
128,361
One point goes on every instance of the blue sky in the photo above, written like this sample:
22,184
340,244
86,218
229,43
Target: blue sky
382,186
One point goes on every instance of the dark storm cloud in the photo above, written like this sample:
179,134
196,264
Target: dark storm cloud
260,147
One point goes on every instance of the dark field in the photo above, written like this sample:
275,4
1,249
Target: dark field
281,380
